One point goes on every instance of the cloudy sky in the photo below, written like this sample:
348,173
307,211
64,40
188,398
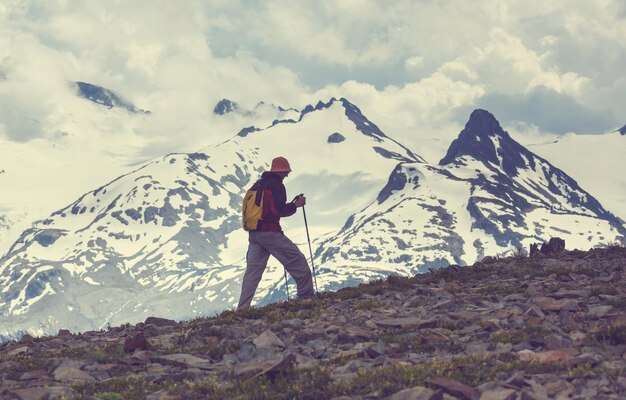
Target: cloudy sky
414,67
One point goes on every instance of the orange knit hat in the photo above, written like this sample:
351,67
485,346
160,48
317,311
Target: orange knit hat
280,164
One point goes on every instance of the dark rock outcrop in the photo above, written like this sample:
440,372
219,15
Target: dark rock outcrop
554,247
105,97
336,138
225,106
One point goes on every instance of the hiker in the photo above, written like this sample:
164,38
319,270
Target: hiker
264,205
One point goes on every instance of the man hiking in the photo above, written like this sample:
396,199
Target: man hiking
264,205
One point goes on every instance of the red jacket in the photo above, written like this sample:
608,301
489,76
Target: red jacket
275,203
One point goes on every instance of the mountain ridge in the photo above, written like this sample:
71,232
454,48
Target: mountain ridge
166,236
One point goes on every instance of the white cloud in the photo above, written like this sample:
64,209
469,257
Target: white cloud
416,61
311,32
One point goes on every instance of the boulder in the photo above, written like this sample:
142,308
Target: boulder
184,360
135,342
69,374
268,339
554,247
550,356
43,392
417,392
156,321
455,388
261,367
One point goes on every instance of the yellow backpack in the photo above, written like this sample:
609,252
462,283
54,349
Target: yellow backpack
252,211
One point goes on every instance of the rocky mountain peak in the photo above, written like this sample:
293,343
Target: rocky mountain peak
482,122
225,106
105,97
484,140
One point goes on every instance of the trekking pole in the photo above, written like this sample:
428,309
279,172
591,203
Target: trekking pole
286,285
306,225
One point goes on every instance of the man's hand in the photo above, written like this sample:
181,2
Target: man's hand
299,200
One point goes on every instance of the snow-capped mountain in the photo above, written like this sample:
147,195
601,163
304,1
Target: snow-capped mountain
595,161
42,175
165,239
488,195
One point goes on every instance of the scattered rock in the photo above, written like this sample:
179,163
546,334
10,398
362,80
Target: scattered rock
184,360
18,350
570,294
43,392
403,322
268,339
160,322
294,323
599,311
417,392
163,395
135,342
550,356
33,375
551,304
499,394
455,388
497,312
554,341
554,247
26,339
64,333
263,367
70,374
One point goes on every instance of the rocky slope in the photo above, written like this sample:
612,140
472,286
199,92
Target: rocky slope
510,328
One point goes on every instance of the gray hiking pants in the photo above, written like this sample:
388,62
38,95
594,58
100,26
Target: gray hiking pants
261,246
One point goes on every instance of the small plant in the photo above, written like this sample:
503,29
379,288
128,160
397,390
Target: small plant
610,245
399,282
13,366
129,387
614,335
515,336
519,251
101,354
509,336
